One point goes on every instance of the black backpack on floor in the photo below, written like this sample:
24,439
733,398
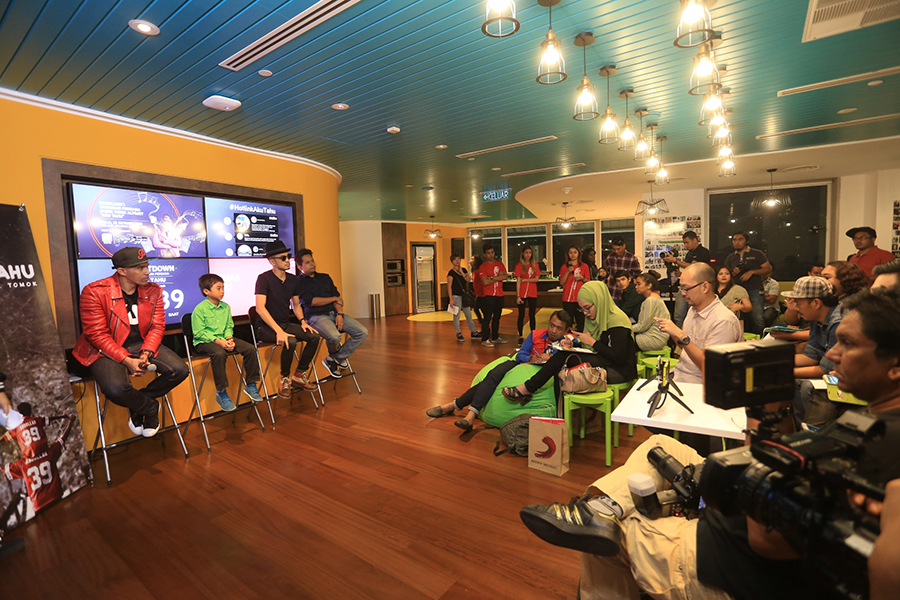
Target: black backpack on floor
514,434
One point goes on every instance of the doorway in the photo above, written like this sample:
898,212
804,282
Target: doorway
424,289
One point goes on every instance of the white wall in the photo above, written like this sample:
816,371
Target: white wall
866,199
362,265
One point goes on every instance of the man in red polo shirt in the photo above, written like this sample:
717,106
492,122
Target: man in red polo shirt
868,255
492,274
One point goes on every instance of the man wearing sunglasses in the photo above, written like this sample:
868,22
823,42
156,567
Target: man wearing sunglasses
277,297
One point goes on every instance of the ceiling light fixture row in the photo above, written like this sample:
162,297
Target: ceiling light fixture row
695,30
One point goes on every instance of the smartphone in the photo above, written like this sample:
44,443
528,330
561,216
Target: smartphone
831,379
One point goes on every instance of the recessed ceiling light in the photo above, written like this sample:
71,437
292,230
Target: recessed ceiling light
472,158
393,210
145,27
875,82
377,199
408,185
441,146
341,106
454,201
393,129
370,216
495,168
421,217
264,73
844,111
427,187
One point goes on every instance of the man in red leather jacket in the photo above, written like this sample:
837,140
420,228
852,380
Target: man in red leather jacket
123,320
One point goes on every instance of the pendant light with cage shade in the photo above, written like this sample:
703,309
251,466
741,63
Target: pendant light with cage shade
433,233
653,206
695,24
500,18
722,136
609,128
565,221
725,160
652,164
771,197
713,102
705,74
662,174
641,148
586,108
552,68
627,137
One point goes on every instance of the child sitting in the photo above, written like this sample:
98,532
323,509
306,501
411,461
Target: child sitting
213,328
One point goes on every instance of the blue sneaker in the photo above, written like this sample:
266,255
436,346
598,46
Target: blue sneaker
225,401
251,390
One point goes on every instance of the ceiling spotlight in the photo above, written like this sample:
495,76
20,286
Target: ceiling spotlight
441,146
552,68
845,111
409,185
145,27
393,129
586,107
771,197
609,128
342,106
500,18
565,221
495,168
875,82
264,73
695,25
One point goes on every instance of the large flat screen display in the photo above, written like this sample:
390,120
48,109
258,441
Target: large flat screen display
186,236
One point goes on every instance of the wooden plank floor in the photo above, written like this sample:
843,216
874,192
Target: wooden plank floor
364,498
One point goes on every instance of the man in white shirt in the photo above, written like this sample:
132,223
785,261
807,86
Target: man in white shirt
709,322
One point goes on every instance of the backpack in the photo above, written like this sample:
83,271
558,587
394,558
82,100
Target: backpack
514,434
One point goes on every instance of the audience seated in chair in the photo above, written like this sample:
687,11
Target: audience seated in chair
535,349
630,300
646,334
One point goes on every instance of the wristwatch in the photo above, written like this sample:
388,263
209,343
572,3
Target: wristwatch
684,341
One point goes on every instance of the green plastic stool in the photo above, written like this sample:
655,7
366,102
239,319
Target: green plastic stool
619,390
642,354
602,401
750,336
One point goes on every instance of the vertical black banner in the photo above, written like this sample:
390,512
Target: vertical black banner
42,456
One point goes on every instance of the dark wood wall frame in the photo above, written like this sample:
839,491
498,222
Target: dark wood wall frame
393,247
57,173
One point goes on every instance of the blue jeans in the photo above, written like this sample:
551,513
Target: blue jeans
466,310
326,327
756,321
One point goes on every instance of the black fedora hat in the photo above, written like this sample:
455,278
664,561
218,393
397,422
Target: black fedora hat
276,247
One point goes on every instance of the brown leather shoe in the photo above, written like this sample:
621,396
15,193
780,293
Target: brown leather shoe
300,381
284,388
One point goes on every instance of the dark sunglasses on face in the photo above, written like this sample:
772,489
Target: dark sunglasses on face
284,257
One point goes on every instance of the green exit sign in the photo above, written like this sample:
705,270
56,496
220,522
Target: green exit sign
495,195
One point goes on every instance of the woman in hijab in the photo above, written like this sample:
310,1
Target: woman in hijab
607,331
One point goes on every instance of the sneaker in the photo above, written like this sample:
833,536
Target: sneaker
284,388
151,426
332,367
344,364
251,390
487,344
476,335
575,526
136,424
224,401
520,340
300,381
500,340
460,338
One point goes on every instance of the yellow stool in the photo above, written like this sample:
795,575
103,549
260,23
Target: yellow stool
601,401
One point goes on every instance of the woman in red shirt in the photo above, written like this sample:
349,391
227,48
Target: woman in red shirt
572,276
527,274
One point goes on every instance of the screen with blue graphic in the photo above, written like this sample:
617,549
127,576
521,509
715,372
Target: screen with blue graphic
239,228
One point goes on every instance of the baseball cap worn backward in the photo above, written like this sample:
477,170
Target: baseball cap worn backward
276,247
852,232
810,287
129,257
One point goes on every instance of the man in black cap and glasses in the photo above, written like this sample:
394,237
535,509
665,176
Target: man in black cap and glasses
868,255
123,320
277,296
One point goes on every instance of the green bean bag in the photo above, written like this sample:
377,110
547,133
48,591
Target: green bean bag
499,410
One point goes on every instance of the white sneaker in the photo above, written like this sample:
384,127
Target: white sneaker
487,344
135,429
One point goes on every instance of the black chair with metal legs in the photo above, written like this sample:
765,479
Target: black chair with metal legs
271,351
101,436
187,331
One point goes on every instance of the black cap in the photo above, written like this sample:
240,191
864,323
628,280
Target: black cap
276,247
129,257
852,232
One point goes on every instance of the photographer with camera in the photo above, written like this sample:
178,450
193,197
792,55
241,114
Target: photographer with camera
727,555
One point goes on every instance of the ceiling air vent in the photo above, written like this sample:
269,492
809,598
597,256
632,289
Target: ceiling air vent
831,17
801,169
316,14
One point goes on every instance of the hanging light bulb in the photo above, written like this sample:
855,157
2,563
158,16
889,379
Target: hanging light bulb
641,148
725,154
653,206
716,122
652,164
705,76
771,197
662,175
627,138
586,108
552,68
713,102
609,128
500,18
722,137
727,169
695,25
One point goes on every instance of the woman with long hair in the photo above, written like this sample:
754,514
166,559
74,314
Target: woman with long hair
572,276
527,274
607,331
457,281
733,296
590,257
646,334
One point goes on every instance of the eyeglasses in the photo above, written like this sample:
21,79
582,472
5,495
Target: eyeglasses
687,288
587,310
285,257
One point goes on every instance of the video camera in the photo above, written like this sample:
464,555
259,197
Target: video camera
797,484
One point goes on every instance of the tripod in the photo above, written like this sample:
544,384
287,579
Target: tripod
664,382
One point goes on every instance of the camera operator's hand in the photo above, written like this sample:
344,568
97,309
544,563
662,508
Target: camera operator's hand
884,562
669,258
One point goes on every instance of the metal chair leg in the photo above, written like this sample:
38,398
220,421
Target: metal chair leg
175,424
101,415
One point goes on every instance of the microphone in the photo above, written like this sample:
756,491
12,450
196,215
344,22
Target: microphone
150,367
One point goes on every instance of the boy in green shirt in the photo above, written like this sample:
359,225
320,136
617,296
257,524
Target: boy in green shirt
213,328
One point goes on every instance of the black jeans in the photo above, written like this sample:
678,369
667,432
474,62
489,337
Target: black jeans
219,356
490,324
115,382
478,309
311,345
577,316
477,396
561,359
531,303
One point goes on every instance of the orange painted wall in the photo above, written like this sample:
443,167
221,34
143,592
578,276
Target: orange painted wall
29,133
415,232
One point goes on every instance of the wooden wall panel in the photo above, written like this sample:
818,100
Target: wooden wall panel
393,245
